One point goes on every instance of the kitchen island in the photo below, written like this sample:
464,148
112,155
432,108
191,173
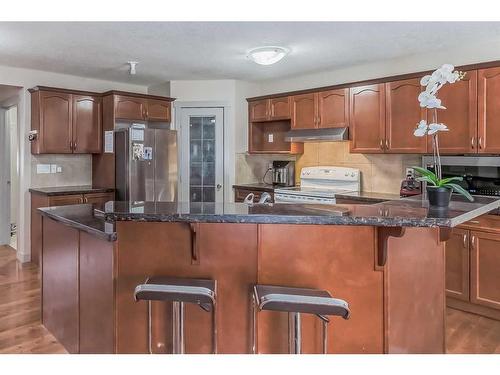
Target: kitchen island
385,259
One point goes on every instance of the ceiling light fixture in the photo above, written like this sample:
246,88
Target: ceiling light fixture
132,68
267,55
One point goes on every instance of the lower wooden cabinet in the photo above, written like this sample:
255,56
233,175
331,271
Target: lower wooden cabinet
473,271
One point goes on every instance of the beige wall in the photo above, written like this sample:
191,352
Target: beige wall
76,170
379,173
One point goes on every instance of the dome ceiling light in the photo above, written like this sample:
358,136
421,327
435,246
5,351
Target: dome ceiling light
267,55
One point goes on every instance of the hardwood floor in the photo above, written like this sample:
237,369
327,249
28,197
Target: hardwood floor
21,330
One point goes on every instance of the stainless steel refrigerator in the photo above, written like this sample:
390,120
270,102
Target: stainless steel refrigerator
146,166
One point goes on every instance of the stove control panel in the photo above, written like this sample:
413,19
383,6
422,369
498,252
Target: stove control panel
330,173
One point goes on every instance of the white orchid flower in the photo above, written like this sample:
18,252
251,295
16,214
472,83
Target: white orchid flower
428,100
421,129
435,127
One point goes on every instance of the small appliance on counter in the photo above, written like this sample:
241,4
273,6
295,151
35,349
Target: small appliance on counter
410,187
283,173
319,185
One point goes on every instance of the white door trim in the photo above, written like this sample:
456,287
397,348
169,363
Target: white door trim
229,147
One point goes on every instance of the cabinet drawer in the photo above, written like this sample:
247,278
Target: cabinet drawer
65,200
98,199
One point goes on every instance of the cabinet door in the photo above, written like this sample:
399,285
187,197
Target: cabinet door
333,108
55,122
65,200
60,282
489,110
279,108
87,127
403,112
304,111
258,110
158,110
457,265
367,118
460,115
130,108
98,199
485,269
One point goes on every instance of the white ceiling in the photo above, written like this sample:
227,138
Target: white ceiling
217,50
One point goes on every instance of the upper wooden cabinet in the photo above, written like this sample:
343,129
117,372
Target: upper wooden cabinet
269,109
66,121
489,111
333,108
87,124
325,109
460,115
367,118
403,112
128,107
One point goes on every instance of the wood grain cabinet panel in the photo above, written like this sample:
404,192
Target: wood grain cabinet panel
65,200
158,110
333,108
130,108
258,110
485,269
55,122
60,310
403,112
279,108
98,199
304,111
460,100
457,265
489,110
87,124
367,118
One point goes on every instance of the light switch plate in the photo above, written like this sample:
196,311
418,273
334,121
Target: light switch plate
42,168
270,138
53,168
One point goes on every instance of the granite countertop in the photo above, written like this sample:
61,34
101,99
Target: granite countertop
257,186
68,190
82,217
407,212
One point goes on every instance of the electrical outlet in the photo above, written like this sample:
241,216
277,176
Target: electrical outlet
59,169
53,168
410,172
270,138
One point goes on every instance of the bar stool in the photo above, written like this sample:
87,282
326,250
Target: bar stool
199,291
296,301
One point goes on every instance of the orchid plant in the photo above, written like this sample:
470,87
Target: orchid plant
428,99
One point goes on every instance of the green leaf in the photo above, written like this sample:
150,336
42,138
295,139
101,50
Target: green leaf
444,181
426,173
460,190
426,179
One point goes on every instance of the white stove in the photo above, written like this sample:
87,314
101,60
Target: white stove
319,185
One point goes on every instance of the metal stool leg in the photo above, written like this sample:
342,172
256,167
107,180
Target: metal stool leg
214,325
150,334
294,333
178,327
254,325
325,337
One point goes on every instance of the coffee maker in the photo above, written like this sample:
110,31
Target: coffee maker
283,173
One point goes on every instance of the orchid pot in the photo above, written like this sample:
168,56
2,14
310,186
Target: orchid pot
439,196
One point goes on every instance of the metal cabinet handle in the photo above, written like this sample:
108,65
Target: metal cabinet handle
381,144
465,240
194,247
472,142
386,144
473,241
480,141
81,199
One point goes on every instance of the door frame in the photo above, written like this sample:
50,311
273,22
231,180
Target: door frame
228,140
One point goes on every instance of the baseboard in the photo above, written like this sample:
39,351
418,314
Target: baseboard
23,257
473,308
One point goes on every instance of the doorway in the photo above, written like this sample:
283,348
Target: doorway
201,156
9,166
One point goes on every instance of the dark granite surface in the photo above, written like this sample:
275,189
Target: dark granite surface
408,212
368,197
257,187
68,190
82,217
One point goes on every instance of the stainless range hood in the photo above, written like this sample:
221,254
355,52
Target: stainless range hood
317,135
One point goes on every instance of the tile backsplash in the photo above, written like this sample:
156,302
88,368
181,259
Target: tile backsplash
75,170
251,168
380,173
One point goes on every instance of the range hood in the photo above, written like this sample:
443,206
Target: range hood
317,135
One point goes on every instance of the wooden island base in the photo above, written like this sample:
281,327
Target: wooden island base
397,308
